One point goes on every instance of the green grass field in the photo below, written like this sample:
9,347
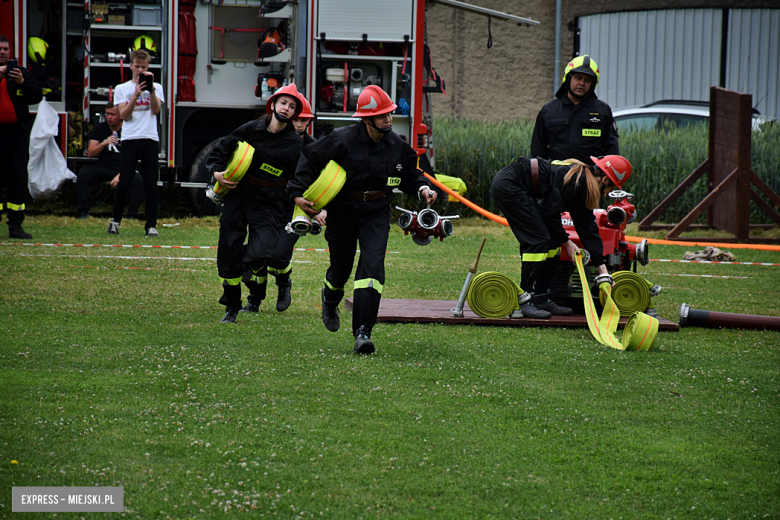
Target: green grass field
116,371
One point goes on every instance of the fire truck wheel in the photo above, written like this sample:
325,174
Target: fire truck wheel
199,204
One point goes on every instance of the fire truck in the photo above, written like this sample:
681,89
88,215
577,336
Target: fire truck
219,60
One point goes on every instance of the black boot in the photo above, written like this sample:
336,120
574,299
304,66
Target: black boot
363,343
18,232
250,306
543,302
230,315
529,310
285,298
330,315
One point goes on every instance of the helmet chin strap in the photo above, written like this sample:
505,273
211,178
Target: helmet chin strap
383,131
279,117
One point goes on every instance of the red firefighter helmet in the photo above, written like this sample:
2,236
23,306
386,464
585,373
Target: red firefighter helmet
373,101
306,107
290,90
616,167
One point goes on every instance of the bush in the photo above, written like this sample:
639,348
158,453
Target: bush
662,159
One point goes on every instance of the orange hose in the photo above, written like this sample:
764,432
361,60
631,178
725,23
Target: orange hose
467,202
503,221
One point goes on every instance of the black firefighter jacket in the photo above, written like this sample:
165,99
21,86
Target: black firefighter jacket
24,95
558,197
564,130
370,166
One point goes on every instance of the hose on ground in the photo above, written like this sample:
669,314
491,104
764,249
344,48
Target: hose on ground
492,295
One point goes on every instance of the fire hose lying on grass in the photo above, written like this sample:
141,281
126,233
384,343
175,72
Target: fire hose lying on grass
713,320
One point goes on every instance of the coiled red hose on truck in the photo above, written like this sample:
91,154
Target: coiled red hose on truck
713,320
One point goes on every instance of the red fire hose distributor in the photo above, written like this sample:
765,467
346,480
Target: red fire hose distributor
713,320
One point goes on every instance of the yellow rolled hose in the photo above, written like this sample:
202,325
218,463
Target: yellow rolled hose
492,295
327,185
631,293
640,332
238,165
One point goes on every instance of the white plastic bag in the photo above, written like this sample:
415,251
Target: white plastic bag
47,169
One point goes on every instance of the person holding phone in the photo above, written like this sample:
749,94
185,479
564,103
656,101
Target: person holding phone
139,101
18,90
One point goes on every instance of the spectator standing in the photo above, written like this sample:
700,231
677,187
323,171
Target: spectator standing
18,90
105,143
139,101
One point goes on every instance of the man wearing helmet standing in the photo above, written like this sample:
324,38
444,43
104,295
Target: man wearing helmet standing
576,124
376,160
256,203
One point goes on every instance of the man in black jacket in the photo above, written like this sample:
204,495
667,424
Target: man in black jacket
575,125
376,160
18,90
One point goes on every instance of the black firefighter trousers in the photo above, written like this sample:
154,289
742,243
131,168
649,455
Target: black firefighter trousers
263,221
346,231
537,249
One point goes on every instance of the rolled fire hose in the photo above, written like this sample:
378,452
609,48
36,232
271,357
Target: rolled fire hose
640,332
631,293
713,320
324,189
492,295
238,165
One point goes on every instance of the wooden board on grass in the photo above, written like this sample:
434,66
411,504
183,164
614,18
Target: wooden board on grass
438,311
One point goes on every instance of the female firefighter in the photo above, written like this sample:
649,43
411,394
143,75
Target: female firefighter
532,197
376,160
256,202
279,266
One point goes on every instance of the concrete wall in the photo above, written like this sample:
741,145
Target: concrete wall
511,80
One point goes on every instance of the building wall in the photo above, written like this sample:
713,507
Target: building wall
514,79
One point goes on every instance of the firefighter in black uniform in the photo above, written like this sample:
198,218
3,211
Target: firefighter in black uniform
533,208
280,266
575,125
257,201
18,90
376,160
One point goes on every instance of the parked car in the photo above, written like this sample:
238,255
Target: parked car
680,113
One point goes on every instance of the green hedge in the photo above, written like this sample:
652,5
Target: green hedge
475,151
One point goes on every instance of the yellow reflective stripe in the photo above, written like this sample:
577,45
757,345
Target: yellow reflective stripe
258,279
552,252
369,283
560,163
590,132
230,281
332,288
534,257
286,270
14,207
1,206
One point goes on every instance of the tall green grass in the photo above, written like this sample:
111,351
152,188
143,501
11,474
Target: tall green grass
662,159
